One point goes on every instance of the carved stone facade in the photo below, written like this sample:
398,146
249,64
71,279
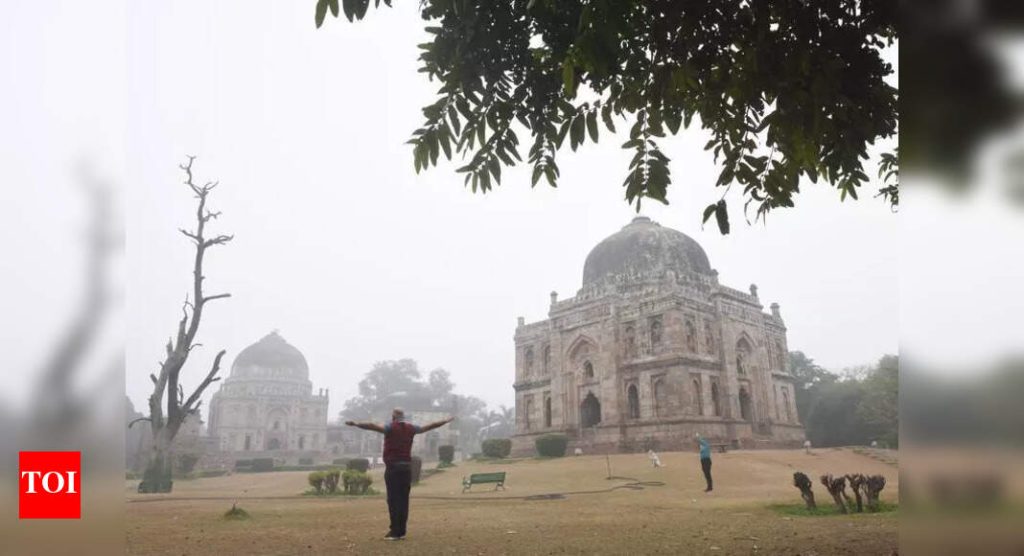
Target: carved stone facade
651,350
267,403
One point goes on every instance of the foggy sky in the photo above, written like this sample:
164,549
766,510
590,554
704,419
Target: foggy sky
354,258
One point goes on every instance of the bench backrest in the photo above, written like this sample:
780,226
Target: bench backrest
487,477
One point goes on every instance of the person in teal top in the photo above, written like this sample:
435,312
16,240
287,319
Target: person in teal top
705,459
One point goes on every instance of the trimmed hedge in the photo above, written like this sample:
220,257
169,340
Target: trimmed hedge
356,482
206,473
243,464
358,464
446,453
552,445
340,461
496,447
263,464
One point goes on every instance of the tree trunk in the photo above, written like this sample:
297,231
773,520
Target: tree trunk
835,487
157,477
803,482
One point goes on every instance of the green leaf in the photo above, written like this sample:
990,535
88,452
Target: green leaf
334,7
569,79
606,115
321,12
576,131
592,125
708,212
722,216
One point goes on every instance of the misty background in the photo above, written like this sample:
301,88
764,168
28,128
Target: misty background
354,258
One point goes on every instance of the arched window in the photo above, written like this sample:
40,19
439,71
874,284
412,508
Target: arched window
629,343
546,359
655,327
744,403
716,402
302,442
709,338
277,425
660,400
248,442
528,361
633,400
590,411
781,355
698,399
588,370
547,412
742,356
691,336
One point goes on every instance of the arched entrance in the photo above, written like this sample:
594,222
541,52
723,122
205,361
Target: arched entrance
273,444
744,403
633,400
590,411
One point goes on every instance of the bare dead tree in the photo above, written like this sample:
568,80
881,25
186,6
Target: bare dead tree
167,388
835,486
803,482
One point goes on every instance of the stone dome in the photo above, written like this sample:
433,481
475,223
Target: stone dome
644,247
271,357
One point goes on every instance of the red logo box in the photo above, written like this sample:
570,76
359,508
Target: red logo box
50,485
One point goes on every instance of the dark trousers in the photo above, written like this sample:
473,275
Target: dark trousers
705,464
398,480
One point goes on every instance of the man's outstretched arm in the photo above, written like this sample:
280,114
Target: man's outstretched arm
366,426
432,426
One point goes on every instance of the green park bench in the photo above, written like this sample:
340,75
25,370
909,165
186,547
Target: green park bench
484,478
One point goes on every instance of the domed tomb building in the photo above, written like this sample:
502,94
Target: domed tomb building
267,402
651,350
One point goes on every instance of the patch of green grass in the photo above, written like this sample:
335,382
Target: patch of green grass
236,513
369,492
800,510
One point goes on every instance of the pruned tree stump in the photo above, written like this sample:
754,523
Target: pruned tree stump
803,482
836,486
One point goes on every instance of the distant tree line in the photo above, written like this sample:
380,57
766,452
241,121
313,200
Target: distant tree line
853,408
401,383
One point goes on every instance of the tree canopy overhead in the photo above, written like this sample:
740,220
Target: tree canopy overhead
786,88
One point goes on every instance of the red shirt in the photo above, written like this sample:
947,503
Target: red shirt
398,436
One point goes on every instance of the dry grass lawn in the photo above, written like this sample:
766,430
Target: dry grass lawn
670,515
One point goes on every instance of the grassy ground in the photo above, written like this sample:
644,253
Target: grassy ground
640,510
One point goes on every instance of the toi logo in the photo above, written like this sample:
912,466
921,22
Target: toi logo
50,485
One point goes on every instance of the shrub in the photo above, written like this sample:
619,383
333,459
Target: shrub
243,464
358,464
212,473
305,461
316,480
263,464
340,461
356,482
496,447
236,513
417,467
552,445
446,454
331,479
